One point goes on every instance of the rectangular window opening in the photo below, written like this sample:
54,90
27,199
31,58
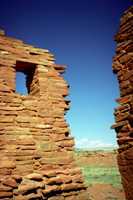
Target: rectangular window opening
24,77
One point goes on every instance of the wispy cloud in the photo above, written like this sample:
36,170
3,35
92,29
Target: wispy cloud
96,143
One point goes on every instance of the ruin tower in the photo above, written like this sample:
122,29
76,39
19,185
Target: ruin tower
123,68
36,151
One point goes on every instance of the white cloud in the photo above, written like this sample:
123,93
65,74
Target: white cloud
96,143
85,140
81,142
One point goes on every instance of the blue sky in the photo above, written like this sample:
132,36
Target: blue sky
80,35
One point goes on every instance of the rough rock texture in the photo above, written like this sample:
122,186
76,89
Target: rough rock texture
123,68
36,152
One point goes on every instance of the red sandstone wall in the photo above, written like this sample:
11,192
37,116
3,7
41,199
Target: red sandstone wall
123,68
36,152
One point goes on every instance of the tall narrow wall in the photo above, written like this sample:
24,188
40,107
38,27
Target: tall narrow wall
36,151
123,68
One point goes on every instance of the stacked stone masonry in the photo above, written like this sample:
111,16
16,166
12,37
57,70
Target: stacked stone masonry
36,151
123,68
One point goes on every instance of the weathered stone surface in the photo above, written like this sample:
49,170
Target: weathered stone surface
74,197
66,178
7,137
5,188
7,164
75,171
53,181
6,119
123,113
4,88
5,171
49,173
119,124
66,143
49,161
49,189
34,176
25,137
45,146
10,182
56,198
70,186
17,177
78,179
24,188
58,137
119,118
6,194
1,127
36,159
83,196
39,154
27,119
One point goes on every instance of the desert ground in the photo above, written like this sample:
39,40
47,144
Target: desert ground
100,171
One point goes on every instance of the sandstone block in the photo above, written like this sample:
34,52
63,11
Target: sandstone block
66,178
65,161
61,124
70,186
7,99
57,137
66,143
31,103
19,158
49,189
24,188
124,99
17,177
27,119
121,117
78,179
45,146
27,162
27,197
25,153
34,176
4,88
45,138
119,124
7,137
6,194
25,137
10,182
26,142
49,173
53,181
49,161
83,196
39,154
5,171
75,171
6,119
74,197
127,75
59,154
57,198
124,84
1,127
5,188
7,164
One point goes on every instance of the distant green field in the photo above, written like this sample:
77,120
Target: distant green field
95,149
94,175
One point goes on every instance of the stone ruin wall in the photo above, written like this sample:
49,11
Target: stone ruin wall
36,151
123,68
